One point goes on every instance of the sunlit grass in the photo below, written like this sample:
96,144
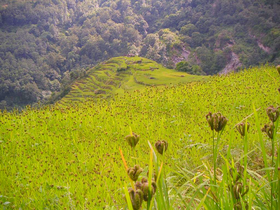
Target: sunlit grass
125,74
68,156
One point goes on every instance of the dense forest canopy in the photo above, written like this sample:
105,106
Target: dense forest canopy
46,44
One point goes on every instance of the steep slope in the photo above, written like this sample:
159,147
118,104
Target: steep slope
124,74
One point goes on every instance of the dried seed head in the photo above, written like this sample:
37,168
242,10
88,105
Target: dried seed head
269,130
134,172
144,179
161,146
273,113
136,198
219,121
216,121
210,120
138,185
241,128
145,188
132,139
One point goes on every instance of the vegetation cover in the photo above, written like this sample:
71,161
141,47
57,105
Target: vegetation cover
119,75
89,155
47,44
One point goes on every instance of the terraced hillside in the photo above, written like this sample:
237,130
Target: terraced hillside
121,74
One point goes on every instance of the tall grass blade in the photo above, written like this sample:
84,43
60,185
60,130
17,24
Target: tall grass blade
261,141
150,180
129,204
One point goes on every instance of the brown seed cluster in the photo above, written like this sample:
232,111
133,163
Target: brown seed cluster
273,113
241,128
161,146
216,121
269,130
134,172
141,192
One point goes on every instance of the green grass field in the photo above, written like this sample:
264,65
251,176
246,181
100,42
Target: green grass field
124,74
67,157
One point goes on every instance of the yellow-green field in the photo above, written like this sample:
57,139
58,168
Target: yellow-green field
124,74
67,157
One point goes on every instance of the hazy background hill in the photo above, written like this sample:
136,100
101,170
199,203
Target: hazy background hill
46,44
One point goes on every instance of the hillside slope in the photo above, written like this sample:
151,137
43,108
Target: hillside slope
68,157
124,74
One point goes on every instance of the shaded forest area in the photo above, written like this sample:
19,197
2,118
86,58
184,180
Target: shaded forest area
46,44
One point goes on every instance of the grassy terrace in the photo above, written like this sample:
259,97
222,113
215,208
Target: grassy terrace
122,74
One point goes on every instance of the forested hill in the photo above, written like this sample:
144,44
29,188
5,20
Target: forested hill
46,44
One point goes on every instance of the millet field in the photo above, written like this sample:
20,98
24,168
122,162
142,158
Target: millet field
98,155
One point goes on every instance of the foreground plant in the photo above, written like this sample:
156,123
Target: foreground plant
217,122
267,197
243,129
230,192
271,130
144,189
136,198
232,179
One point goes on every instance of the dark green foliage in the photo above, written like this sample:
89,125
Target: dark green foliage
188,29
184,66
122,69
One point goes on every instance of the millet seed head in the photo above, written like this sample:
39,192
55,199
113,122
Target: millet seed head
161,146
138,185
136,197
273,113
216,121
134,172
145,188
241,128
132,139
210,120
269,130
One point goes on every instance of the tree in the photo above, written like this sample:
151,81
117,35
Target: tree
184,66
188,29
197,39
